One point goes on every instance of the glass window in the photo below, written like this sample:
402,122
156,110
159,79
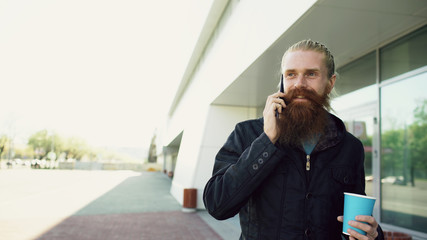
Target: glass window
404,55
356,75
356,105
404,153
362,127
357,110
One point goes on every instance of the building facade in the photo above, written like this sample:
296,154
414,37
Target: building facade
380,49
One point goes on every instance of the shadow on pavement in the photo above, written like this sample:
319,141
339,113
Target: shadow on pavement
140,207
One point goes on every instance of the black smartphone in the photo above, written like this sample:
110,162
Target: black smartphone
282,89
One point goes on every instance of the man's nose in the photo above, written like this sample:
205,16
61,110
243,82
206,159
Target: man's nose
300,81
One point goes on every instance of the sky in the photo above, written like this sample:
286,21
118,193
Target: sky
105,71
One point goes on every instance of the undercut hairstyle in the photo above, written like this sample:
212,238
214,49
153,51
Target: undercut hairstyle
310,45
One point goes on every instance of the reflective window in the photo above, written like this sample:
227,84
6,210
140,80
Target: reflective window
362,127
356,105
356,75
404,153
404,55
357,110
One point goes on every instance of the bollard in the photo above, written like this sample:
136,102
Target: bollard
190,200
396,236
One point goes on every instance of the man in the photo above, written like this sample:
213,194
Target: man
285,173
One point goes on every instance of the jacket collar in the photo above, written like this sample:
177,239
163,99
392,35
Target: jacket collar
334,133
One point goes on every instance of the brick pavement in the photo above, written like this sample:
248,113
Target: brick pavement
149,225
140,207
72,204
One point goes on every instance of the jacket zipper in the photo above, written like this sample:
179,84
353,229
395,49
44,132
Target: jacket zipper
307,175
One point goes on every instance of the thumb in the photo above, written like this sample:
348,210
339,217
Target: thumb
340,218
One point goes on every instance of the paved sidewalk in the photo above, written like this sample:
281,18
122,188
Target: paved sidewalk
80,205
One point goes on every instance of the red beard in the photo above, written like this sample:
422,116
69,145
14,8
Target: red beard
301,121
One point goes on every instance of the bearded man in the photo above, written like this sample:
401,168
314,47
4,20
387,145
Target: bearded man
285,174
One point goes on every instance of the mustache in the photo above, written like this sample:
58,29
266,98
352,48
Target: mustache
309,94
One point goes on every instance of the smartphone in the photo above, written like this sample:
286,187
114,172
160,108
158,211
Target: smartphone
282,89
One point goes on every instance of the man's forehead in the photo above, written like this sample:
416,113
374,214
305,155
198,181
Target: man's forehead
307,60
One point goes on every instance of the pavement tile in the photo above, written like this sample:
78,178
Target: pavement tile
139,207
149,225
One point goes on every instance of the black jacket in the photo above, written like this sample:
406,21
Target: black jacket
274,194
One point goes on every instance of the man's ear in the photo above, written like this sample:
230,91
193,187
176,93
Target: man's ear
331,83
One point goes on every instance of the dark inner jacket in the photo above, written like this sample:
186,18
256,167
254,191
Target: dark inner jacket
274,194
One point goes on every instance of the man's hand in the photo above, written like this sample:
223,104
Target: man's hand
273,103
370,228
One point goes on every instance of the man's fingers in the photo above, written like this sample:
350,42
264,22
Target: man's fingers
277,100
276,95
356,235
278,107
271,108
362,226
371,230
367,224
274,102
280,101
369,219
373,234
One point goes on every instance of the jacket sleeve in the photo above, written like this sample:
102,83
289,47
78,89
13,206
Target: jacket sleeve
240,166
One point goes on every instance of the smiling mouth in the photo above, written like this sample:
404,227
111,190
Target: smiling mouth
300,98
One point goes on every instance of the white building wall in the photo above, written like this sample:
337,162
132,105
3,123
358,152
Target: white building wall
247,29
220,123
188,152
195,13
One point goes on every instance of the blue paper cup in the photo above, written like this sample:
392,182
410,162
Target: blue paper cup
354,205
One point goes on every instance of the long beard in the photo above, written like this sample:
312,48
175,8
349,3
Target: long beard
302,121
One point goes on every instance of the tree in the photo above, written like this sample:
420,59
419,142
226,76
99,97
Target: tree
42,143
3,143
24,152
417,141
76,148
405,148
392,152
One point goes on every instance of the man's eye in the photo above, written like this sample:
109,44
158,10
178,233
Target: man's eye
311,74
290,75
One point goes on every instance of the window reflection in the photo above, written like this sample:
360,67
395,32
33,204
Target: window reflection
404,153
356,105
362,128
404,55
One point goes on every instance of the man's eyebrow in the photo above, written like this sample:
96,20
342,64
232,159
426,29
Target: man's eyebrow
308,70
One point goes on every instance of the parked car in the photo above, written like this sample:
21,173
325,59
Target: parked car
397,180
35,163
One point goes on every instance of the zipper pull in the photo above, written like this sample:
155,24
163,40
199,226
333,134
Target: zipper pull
307,165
